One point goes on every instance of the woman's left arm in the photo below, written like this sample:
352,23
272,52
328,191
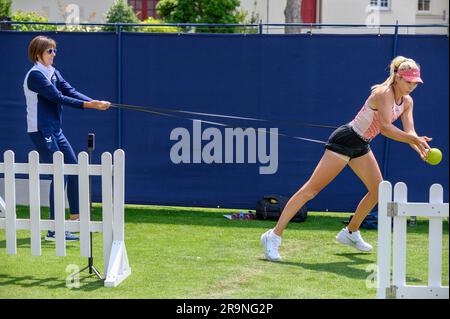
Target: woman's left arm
407,119
68,90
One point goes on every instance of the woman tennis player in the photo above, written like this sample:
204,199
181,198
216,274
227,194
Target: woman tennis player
46,92
349,145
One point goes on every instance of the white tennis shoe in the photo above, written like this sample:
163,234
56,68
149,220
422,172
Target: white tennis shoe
271,242
353,240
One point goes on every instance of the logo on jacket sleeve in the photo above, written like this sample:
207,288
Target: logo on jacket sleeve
48,139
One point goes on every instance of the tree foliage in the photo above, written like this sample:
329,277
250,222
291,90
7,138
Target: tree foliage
202,11
151,20
120,11
29,16
5,8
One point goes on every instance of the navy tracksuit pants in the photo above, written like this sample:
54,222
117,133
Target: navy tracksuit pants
48,143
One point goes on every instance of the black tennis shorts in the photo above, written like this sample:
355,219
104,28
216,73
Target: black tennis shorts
344,140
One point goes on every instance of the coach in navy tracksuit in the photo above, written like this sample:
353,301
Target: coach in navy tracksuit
46,92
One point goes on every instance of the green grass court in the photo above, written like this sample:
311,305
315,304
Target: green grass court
197,253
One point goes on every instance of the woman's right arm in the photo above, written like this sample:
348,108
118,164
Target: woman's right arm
38,83
383,102
97,105
408,125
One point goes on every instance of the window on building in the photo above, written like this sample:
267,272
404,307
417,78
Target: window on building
423,5
380,4
144,8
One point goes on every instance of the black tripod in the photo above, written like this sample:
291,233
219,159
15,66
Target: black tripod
90,266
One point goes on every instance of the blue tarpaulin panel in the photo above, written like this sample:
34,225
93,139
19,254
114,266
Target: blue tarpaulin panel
289,79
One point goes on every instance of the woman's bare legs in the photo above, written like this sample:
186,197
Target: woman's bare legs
328,168
367,169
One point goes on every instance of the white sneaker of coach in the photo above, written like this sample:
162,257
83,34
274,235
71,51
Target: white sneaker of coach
271,242
353,239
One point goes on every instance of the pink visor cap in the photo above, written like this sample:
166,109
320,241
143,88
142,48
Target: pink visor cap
411,75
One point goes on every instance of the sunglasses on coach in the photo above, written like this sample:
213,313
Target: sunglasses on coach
50,51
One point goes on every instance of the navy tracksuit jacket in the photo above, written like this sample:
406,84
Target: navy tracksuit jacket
46,92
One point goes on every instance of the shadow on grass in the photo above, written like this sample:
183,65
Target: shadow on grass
92,285
30,281
342,268
21,242
214,218
26,243
315,221
49,282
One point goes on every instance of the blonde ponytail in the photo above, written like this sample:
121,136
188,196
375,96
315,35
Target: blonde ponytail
398,63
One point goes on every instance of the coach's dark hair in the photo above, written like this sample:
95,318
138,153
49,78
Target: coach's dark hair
38,46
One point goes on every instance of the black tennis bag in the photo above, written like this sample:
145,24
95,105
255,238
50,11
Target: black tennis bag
270,207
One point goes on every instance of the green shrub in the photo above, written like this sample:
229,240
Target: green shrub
5,8
27,16
21,16
78,28
120,12
203,11
151,20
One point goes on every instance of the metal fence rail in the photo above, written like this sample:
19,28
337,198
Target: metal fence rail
257,28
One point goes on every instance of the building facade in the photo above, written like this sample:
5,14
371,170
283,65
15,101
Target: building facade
362,12
85,10
366,12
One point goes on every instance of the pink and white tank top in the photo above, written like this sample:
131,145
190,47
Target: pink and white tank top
367,124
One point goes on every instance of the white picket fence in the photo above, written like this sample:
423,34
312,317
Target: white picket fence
2,208
115,260
399,209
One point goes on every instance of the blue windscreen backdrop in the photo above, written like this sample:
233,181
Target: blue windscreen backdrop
291,80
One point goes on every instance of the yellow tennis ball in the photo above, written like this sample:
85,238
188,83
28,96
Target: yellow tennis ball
434,156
